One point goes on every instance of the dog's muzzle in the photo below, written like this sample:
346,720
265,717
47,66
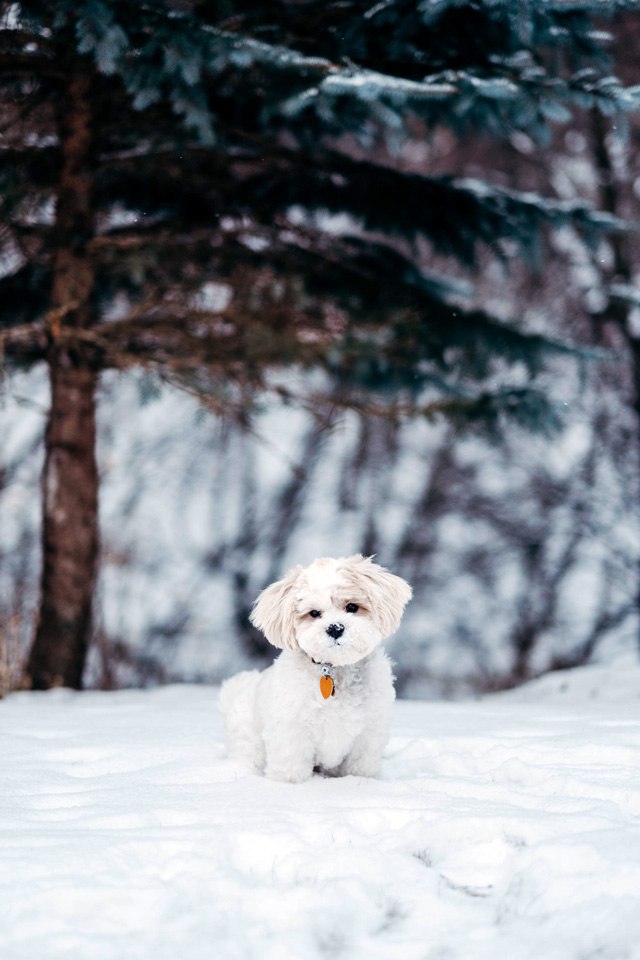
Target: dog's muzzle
335,630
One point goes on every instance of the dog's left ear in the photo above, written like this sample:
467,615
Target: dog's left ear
274,611
388,594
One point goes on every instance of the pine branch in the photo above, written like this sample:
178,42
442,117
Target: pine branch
455,215
24,343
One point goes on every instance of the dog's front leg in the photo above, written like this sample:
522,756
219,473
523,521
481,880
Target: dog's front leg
364,757
291,766
288,757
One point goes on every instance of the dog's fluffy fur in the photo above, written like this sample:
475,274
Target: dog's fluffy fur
277,719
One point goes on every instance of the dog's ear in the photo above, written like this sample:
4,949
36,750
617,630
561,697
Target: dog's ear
387,593
274,611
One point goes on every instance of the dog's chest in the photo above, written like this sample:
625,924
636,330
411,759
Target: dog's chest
339,719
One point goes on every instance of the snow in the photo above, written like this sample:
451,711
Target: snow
506,826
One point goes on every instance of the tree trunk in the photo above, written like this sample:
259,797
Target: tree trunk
70,476
70,531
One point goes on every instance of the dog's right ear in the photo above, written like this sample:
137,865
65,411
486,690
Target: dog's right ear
274,611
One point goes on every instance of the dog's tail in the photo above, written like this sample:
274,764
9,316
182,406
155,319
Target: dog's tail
237,705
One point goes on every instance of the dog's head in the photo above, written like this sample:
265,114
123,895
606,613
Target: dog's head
335,610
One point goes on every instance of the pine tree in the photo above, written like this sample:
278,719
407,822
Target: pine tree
150,150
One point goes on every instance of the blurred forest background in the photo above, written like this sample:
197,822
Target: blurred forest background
294,279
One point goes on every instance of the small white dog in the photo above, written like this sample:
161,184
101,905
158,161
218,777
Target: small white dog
325,703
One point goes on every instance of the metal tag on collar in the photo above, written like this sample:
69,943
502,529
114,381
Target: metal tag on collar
327,686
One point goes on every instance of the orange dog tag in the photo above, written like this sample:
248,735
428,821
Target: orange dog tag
326,686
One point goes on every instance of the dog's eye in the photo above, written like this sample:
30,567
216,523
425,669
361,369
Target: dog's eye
315,614
352,608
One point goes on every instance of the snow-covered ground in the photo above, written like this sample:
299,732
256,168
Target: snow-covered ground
502,828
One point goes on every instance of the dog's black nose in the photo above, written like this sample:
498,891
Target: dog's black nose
335,630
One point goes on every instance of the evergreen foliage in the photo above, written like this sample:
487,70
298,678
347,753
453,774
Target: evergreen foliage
226,137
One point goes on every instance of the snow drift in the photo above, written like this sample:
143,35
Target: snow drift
506,826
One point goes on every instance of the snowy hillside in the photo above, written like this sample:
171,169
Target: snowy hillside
505,827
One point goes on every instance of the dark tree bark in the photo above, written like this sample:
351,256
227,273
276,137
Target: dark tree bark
70,476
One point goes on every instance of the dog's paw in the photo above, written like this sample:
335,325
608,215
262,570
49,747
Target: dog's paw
288,774
360,767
